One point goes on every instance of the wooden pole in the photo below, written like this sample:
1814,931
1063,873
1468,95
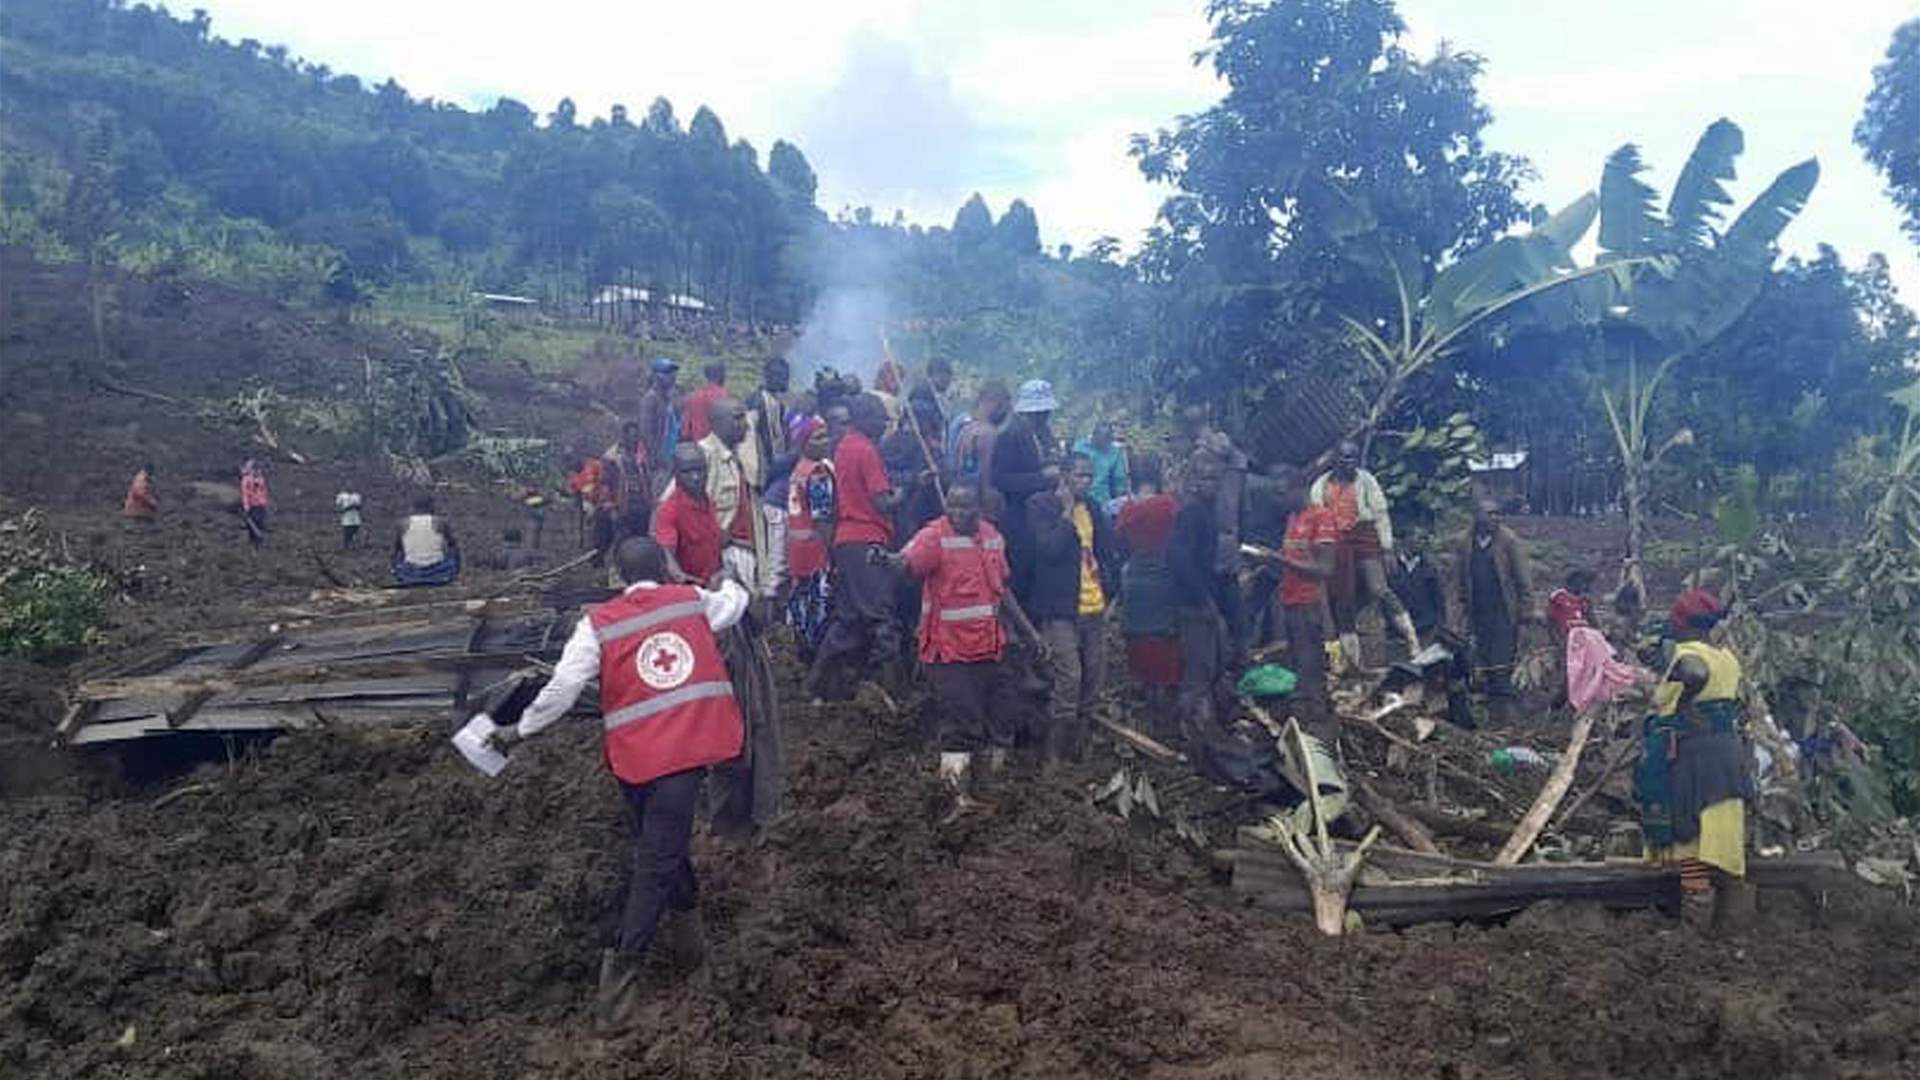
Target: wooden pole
1551,793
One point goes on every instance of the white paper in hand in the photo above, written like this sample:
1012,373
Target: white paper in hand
471,741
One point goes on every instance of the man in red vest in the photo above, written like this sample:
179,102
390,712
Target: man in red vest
668,711
962,564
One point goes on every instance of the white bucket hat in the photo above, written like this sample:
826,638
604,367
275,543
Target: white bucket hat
1036,395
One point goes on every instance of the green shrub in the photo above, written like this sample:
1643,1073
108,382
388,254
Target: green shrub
48,607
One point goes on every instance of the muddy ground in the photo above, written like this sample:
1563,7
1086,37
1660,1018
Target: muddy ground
367,906
362,904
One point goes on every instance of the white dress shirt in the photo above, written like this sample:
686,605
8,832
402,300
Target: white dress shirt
580,660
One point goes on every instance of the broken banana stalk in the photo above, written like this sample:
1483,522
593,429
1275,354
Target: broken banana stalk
1328,873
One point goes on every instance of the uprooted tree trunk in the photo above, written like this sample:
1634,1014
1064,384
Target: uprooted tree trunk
1329,874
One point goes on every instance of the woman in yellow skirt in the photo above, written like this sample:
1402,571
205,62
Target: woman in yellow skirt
1694,779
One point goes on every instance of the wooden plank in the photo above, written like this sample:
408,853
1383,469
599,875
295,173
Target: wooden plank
191,701
299,619
79,712
435,684
160,687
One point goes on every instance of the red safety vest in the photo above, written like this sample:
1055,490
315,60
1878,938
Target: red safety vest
806,548
666,703
960,602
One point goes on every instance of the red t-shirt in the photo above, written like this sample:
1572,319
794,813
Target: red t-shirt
689,530
1306,530
1147,524
860,475
694,423
964,579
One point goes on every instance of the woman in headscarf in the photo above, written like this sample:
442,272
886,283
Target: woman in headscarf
1693,780
810,515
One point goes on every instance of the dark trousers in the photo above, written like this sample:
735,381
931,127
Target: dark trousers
861,633
1306,629
970,713
1203,663
748,790
602,530
1496,642
662,812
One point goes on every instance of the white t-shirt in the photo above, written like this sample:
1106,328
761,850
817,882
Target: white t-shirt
422,544
348,504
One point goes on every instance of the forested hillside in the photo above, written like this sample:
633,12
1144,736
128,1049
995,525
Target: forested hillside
190,129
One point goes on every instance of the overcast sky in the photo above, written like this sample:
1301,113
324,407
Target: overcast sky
913,104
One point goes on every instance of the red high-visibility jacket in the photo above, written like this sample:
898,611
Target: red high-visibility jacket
666,703
965,578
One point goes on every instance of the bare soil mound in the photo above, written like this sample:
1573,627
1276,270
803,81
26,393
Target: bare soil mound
363,905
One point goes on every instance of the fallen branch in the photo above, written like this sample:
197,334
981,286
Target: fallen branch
132,391
530,576
327,572
1551,794
178,793
1409,831
1146,744
1425,751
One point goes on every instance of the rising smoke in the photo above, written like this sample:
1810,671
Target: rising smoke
856,303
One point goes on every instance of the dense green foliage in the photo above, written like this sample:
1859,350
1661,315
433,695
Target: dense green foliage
49,606
227,131
1889,129
1322,97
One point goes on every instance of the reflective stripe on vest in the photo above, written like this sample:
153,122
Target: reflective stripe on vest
967,614
799,534
628,627
966,543
642,710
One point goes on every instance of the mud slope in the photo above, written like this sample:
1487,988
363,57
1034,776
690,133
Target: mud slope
366,907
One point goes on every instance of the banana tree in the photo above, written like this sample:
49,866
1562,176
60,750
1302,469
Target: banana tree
1429,324
1628,418
1686,284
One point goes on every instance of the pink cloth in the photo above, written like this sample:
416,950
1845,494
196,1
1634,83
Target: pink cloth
1594,677
253,491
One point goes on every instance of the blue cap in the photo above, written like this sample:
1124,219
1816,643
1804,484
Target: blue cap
665,365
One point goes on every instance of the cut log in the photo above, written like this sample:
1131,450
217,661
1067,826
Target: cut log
1551,793
1454,825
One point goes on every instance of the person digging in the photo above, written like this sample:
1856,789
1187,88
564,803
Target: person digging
961,562
668,712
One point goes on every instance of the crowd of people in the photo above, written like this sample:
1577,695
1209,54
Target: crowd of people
899,537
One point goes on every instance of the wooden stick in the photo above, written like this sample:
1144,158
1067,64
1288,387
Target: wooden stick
529,576
1150,746
906,412
1410,831
132,391
1551,793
